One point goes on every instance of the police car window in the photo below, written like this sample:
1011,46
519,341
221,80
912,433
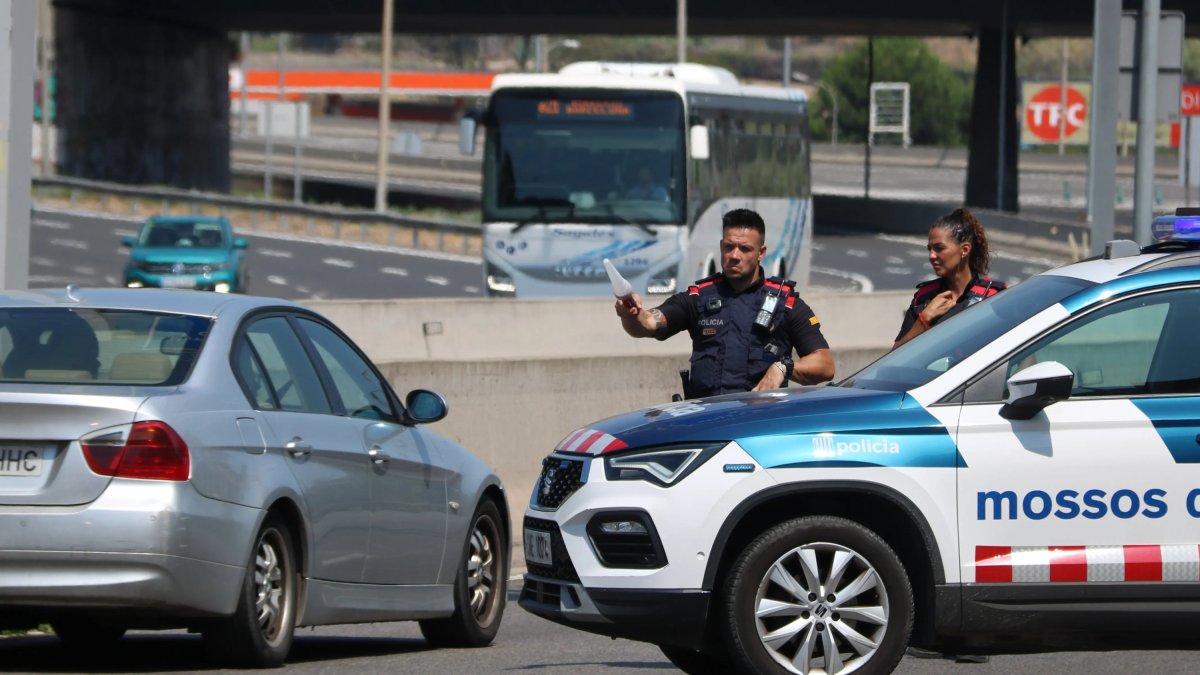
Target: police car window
1109,351
362,393
923,358
289,372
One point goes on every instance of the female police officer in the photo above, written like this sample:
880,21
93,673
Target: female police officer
743,325
958,253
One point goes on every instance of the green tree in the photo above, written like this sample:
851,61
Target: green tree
939,100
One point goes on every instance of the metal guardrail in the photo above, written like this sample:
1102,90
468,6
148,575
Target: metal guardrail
258,215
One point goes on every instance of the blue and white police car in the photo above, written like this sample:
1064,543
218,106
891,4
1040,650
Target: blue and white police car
1025,477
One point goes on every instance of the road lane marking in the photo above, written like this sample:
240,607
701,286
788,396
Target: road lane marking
473,290
274,253
897,270
69,243
397,271
84,269
52,224
865,285
339,262
277,280
440,281
857,252
44,262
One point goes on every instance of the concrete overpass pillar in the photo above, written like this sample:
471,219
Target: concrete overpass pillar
992,153
142,102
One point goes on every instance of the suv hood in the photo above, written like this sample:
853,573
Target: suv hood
826,426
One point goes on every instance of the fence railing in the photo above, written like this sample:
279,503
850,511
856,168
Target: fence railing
265,216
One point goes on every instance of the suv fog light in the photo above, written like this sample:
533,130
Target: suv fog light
622,527
133,284
221,287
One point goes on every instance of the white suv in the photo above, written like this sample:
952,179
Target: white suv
1024,477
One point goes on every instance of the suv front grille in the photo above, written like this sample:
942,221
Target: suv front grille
560,479
561,567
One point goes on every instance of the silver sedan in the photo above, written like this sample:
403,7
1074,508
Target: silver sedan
233,465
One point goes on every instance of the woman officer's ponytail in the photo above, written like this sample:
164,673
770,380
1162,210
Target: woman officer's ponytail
964,227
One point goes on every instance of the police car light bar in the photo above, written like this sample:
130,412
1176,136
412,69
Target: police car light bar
1176,228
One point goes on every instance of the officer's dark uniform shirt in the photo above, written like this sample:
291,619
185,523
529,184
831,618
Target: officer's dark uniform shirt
730,354
980,288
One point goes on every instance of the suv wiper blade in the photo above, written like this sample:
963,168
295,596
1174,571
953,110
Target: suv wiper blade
541,203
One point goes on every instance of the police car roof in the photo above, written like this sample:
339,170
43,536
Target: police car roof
1163,255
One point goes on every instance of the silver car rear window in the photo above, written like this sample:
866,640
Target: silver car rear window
98,346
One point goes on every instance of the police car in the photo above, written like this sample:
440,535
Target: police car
1025,477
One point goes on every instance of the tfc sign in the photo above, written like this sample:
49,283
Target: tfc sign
1190,100
1044,113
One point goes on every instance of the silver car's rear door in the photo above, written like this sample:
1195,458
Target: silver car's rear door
41,462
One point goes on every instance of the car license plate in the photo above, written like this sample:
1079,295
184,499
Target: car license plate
20,460
537,547
178,282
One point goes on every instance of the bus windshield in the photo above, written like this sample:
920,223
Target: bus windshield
558,155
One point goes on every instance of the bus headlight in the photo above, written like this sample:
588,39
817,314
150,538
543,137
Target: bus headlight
664,281
499,284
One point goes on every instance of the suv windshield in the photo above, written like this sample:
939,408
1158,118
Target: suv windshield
930,354
98,346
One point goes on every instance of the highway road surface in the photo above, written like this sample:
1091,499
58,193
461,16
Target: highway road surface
85,249
525,645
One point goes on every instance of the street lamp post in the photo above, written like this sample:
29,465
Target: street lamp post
801,77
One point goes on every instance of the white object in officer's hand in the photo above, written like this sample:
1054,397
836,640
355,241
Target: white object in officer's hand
620,285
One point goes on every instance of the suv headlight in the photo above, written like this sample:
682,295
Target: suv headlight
663,466
499,284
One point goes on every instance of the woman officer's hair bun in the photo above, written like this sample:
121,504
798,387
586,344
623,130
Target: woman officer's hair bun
964,227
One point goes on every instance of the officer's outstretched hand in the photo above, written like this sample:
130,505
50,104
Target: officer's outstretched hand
628,306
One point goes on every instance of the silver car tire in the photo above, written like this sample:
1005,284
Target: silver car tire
480,586
259,634
819,594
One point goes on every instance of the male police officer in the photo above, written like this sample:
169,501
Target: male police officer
744,326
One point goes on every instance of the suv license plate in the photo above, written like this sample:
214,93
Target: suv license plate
20,460
178,282
537,547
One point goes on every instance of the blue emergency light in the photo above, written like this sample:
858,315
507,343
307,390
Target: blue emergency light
1176,228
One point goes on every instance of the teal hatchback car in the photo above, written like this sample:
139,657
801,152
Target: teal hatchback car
197,252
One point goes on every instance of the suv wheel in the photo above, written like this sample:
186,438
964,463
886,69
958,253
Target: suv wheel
818,594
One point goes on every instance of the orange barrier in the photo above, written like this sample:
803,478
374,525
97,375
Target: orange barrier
264,84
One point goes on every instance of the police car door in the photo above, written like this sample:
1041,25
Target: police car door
1095,491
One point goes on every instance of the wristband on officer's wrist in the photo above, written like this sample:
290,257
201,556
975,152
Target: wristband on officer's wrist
924,323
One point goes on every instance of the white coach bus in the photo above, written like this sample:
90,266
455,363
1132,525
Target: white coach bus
636,163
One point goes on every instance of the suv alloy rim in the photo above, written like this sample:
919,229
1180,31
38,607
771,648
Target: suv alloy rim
821,608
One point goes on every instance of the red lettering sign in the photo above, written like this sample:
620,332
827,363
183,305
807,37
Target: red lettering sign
1189,103
1043,111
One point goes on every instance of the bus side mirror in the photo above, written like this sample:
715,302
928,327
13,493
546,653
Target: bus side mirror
466,136
699,141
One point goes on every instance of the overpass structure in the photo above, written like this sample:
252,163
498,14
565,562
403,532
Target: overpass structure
143,84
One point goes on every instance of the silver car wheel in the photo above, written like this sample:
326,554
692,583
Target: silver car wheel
821,608
481,569
269,580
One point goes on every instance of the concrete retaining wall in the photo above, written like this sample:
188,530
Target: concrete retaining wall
520,375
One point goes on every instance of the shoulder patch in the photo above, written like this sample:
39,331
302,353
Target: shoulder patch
926,289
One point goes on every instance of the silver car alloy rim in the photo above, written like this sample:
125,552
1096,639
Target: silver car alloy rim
821,608
269,582
481,571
